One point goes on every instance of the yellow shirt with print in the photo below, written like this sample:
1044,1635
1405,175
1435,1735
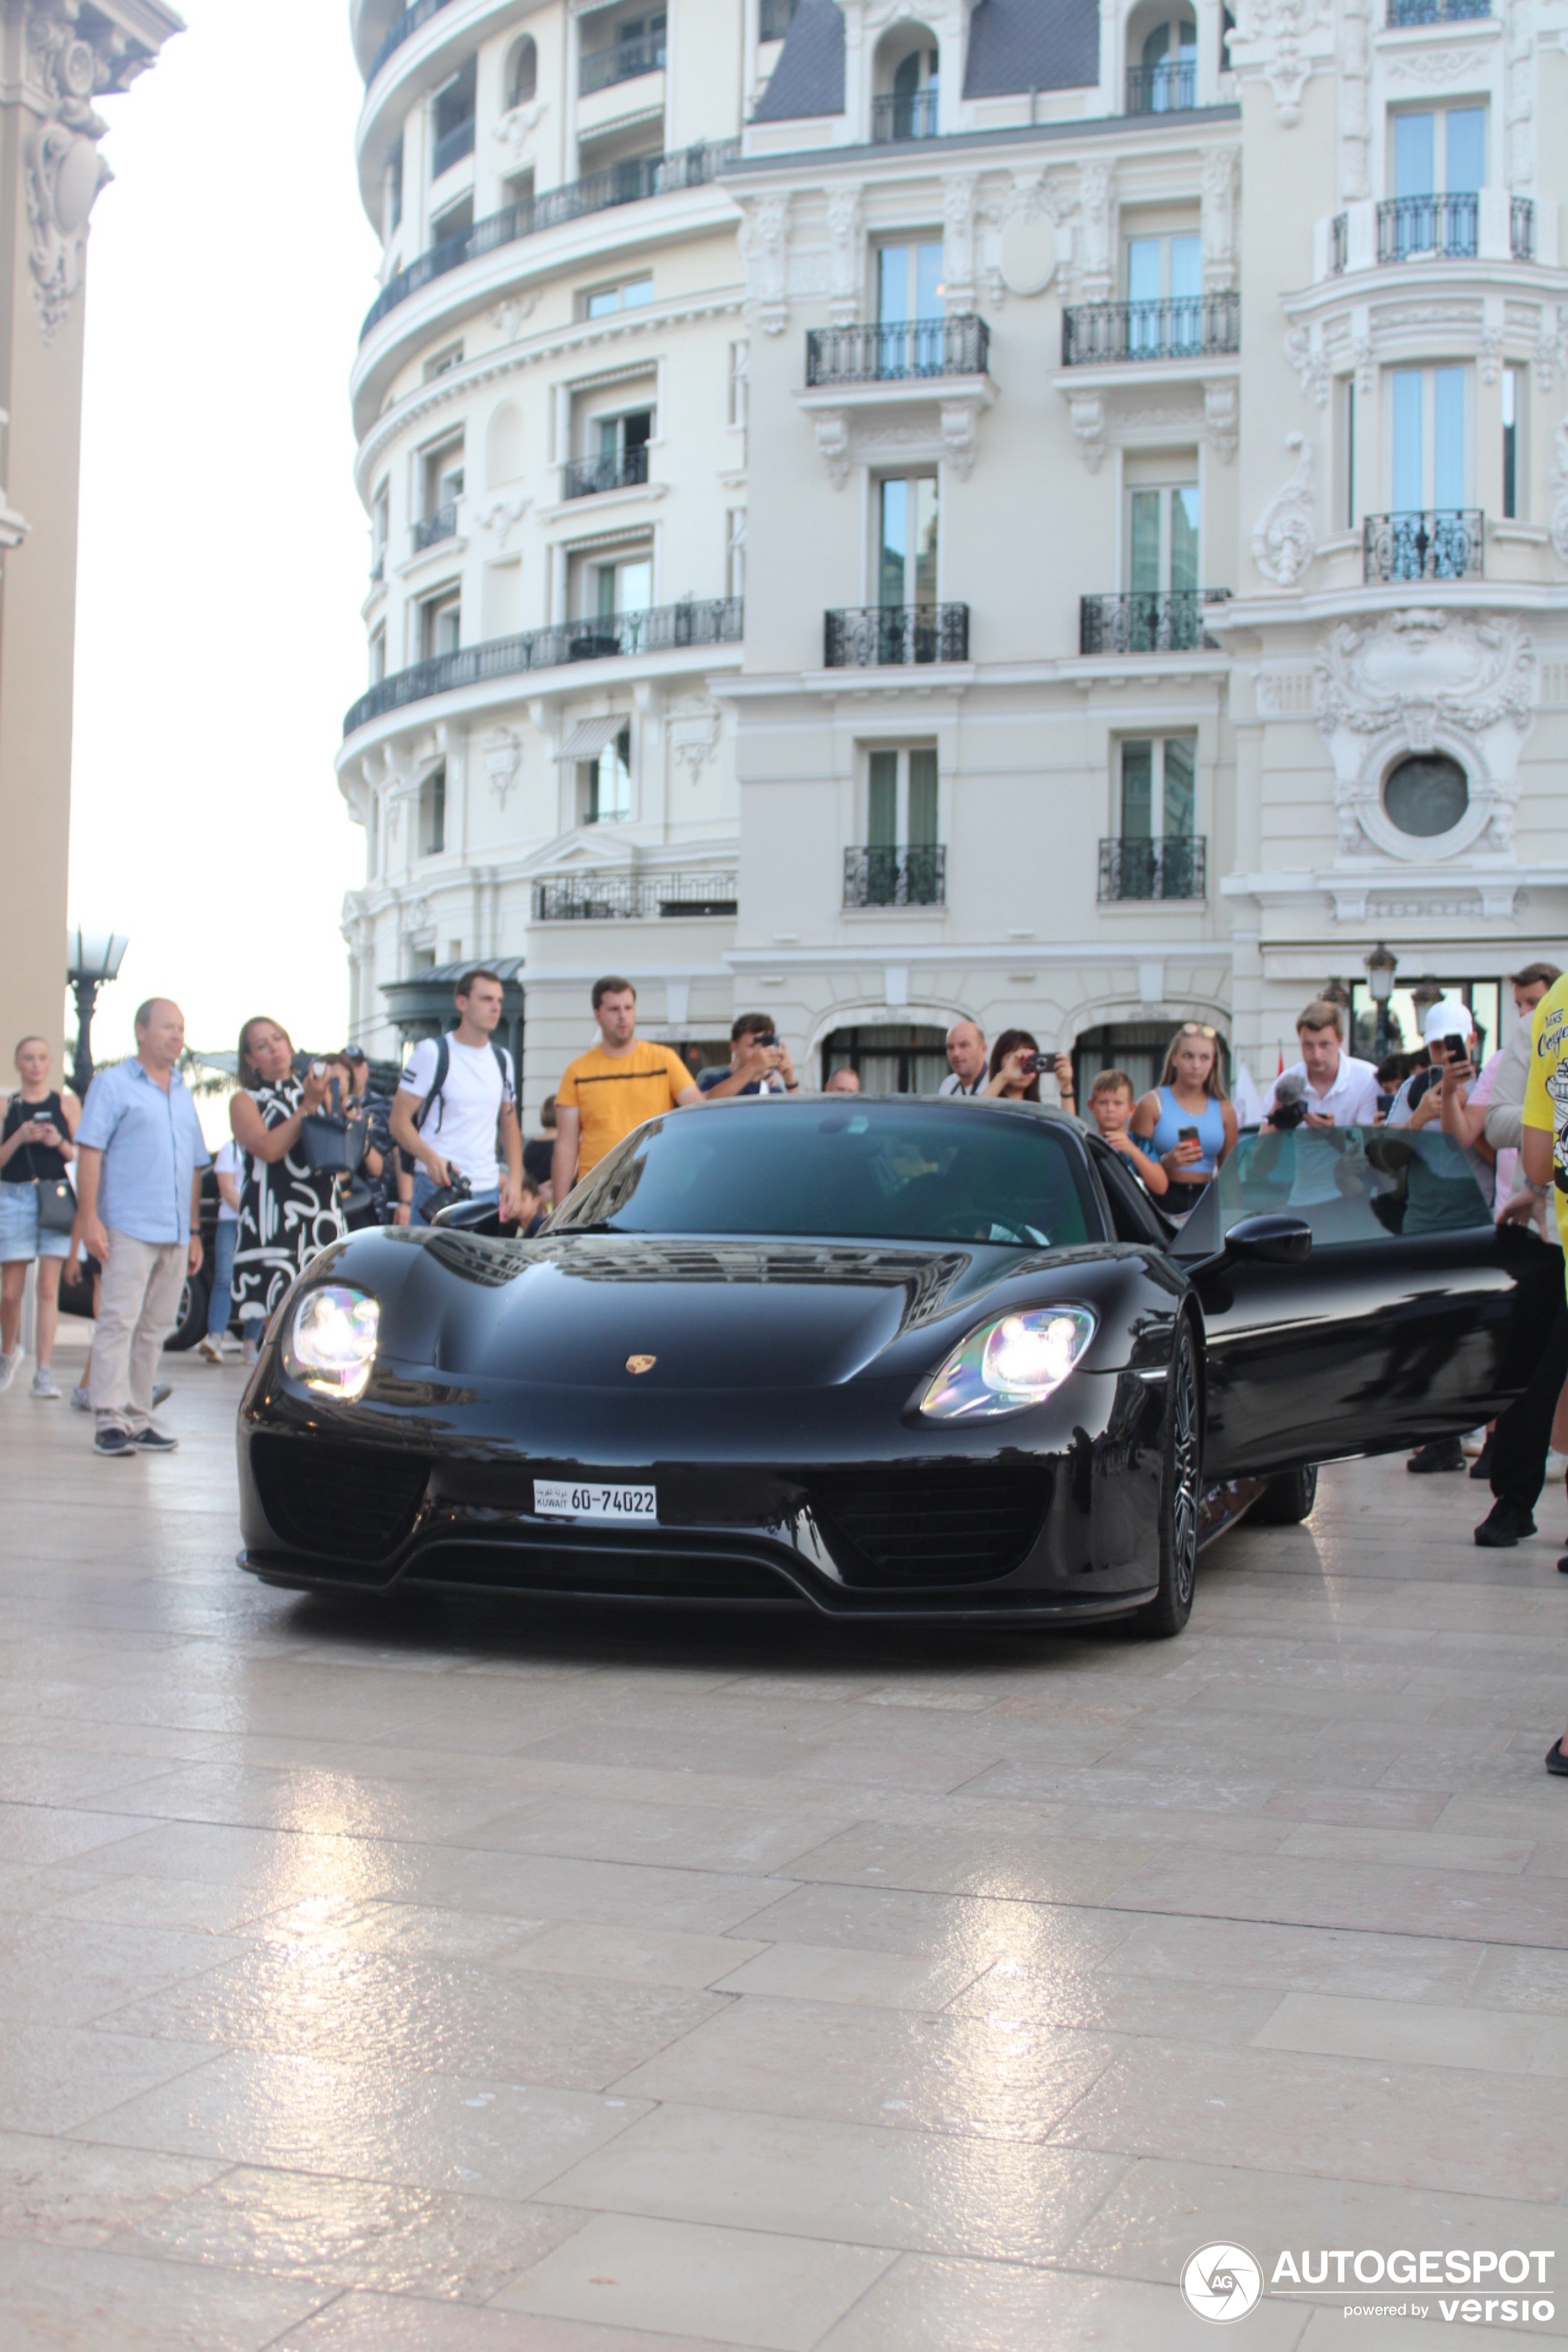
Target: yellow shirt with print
1546,1089
612,1093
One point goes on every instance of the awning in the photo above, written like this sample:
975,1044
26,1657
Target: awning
589,737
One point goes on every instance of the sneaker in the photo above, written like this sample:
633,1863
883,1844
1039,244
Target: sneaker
80,1401
8,1367
161,1394
1481,1467
209,1351
152,1440
1441,1453
1503,1525
110,1440
45,1386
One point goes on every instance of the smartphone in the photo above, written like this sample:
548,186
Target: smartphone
1186,1135
1456,1049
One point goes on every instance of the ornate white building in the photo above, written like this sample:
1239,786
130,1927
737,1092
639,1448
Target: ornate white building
1050,509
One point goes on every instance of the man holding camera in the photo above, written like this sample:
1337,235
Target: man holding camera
1328,1087
753,1037
455,1112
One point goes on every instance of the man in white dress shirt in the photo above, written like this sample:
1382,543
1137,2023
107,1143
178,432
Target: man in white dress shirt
1340,1091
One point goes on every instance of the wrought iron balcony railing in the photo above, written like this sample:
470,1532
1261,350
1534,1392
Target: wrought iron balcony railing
915,876
1190,326
716,621
1339,230
1521,228
623,897
399,32
888,636
1175,867
615,470
431,528
1444,227
775,19
452,147
898,351
621,61
620,184
1435,11
909,114
1169,620
1169,87
1424,545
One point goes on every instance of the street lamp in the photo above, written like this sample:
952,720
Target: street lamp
1381,967
92,959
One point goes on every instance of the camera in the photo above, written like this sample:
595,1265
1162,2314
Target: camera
1289,1104
1037,1063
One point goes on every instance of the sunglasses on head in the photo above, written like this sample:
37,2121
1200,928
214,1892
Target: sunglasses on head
1196,1029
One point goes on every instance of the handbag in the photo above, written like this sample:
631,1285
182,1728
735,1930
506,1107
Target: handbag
334,1143
57,1204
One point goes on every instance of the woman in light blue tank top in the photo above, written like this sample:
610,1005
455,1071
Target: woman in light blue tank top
1187,1124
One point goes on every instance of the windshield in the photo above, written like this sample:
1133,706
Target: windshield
856,1170
1350,1183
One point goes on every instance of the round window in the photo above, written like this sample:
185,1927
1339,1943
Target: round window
1426,796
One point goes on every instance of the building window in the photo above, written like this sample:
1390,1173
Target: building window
603,302
1441,152
894,1060
394,188
378,654
735,552
1165,268
1163,539
452,120
624,586
1164,80
523,79
901,798
380,528
1513,417
908,283
455,221
740,383
1158,787
1426,796
433,813
440,624
907,544
604,784
444,363
442,470
1429,432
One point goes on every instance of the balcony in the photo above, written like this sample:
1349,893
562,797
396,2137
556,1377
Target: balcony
433,528
621,61
905,351
625,183
1447,228
1175,867
1163,89
626,898
910,114
912,877
1145,622
406,25
889,636
622,470
1521,228
1435,11
1190,327
452,148
1430,545
663,628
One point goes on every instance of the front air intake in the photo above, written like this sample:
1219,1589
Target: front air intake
913,1526
340,1502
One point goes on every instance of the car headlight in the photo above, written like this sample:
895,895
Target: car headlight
1006,1366
331,1342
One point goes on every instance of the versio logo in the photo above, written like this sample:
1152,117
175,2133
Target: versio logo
1222,2283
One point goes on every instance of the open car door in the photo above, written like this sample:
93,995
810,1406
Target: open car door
1413,1317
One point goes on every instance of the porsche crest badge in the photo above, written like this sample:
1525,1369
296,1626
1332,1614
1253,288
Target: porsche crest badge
641,1363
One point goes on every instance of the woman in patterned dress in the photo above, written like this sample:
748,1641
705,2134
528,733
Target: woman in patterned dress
287,1213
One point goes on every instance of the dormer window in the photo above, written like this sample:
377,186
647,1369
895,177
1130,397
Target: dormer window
1165,79
907,85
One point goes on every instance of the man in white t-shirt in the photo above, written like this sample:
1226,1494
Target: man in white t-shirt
462,1121
966,1070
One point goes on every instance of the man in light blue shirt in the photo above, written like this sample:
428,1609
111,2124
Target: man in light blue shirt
139,1155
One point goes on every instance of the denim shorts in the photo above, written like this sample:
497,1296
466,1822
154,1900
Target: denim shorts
20,1236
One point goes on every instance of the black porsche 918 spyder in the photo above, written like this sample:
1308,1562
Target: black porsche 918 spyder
885,1357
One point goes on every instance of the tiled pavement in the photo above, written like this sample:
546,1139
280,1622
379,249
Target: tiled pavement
451,1979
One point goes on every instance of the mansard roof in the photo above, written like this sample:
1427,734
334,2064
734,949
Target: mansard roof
809,76
1021,45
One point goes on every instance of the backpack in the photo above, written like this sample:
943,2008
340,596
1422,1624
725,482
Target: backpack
444,1062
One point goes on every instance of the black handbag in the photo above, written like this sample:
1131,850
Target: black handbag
334,1143
57,1204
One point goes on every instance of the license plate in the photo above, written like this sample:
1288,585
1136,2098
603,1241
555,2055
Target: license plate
564,1499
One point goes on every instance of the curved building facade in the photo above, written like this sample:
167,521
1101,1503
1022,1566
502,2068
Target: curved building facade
1143,433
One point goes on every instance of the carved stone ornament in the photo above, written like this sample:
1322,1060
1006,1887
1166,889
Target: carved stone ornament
1420,681
502,516
1222,416
1218,218
518,125
1304,350
958,190
1558,526
65,171
692,731
764,251
832,429
501,754
846,248
507,318
1096,199
1281,32
1284,542
1087,410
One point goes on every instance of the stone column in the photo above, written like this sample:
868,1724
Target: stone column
56,58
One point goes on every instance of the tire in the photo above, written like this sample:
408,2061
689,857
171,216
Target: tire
1180,1494
1287,1500
193,1315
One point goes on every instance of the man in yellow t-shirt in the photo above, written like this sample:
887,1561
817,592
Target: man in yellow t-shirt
621,1082
1544,1155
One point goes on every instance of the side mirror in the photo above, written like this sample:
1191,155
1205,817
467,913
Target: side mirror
1270,1240
481,1217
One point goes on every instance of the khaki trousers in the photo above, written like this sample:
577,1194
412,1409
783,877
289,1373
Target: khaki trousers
138,1304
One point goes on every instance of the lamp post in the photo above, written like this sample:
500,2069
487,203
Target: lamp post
92,961
1381,967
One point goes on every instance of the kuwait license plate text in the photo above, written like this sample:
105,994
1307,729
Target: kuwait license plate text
561,1499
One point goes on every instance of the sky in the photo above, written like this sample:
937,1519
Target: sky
223,550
